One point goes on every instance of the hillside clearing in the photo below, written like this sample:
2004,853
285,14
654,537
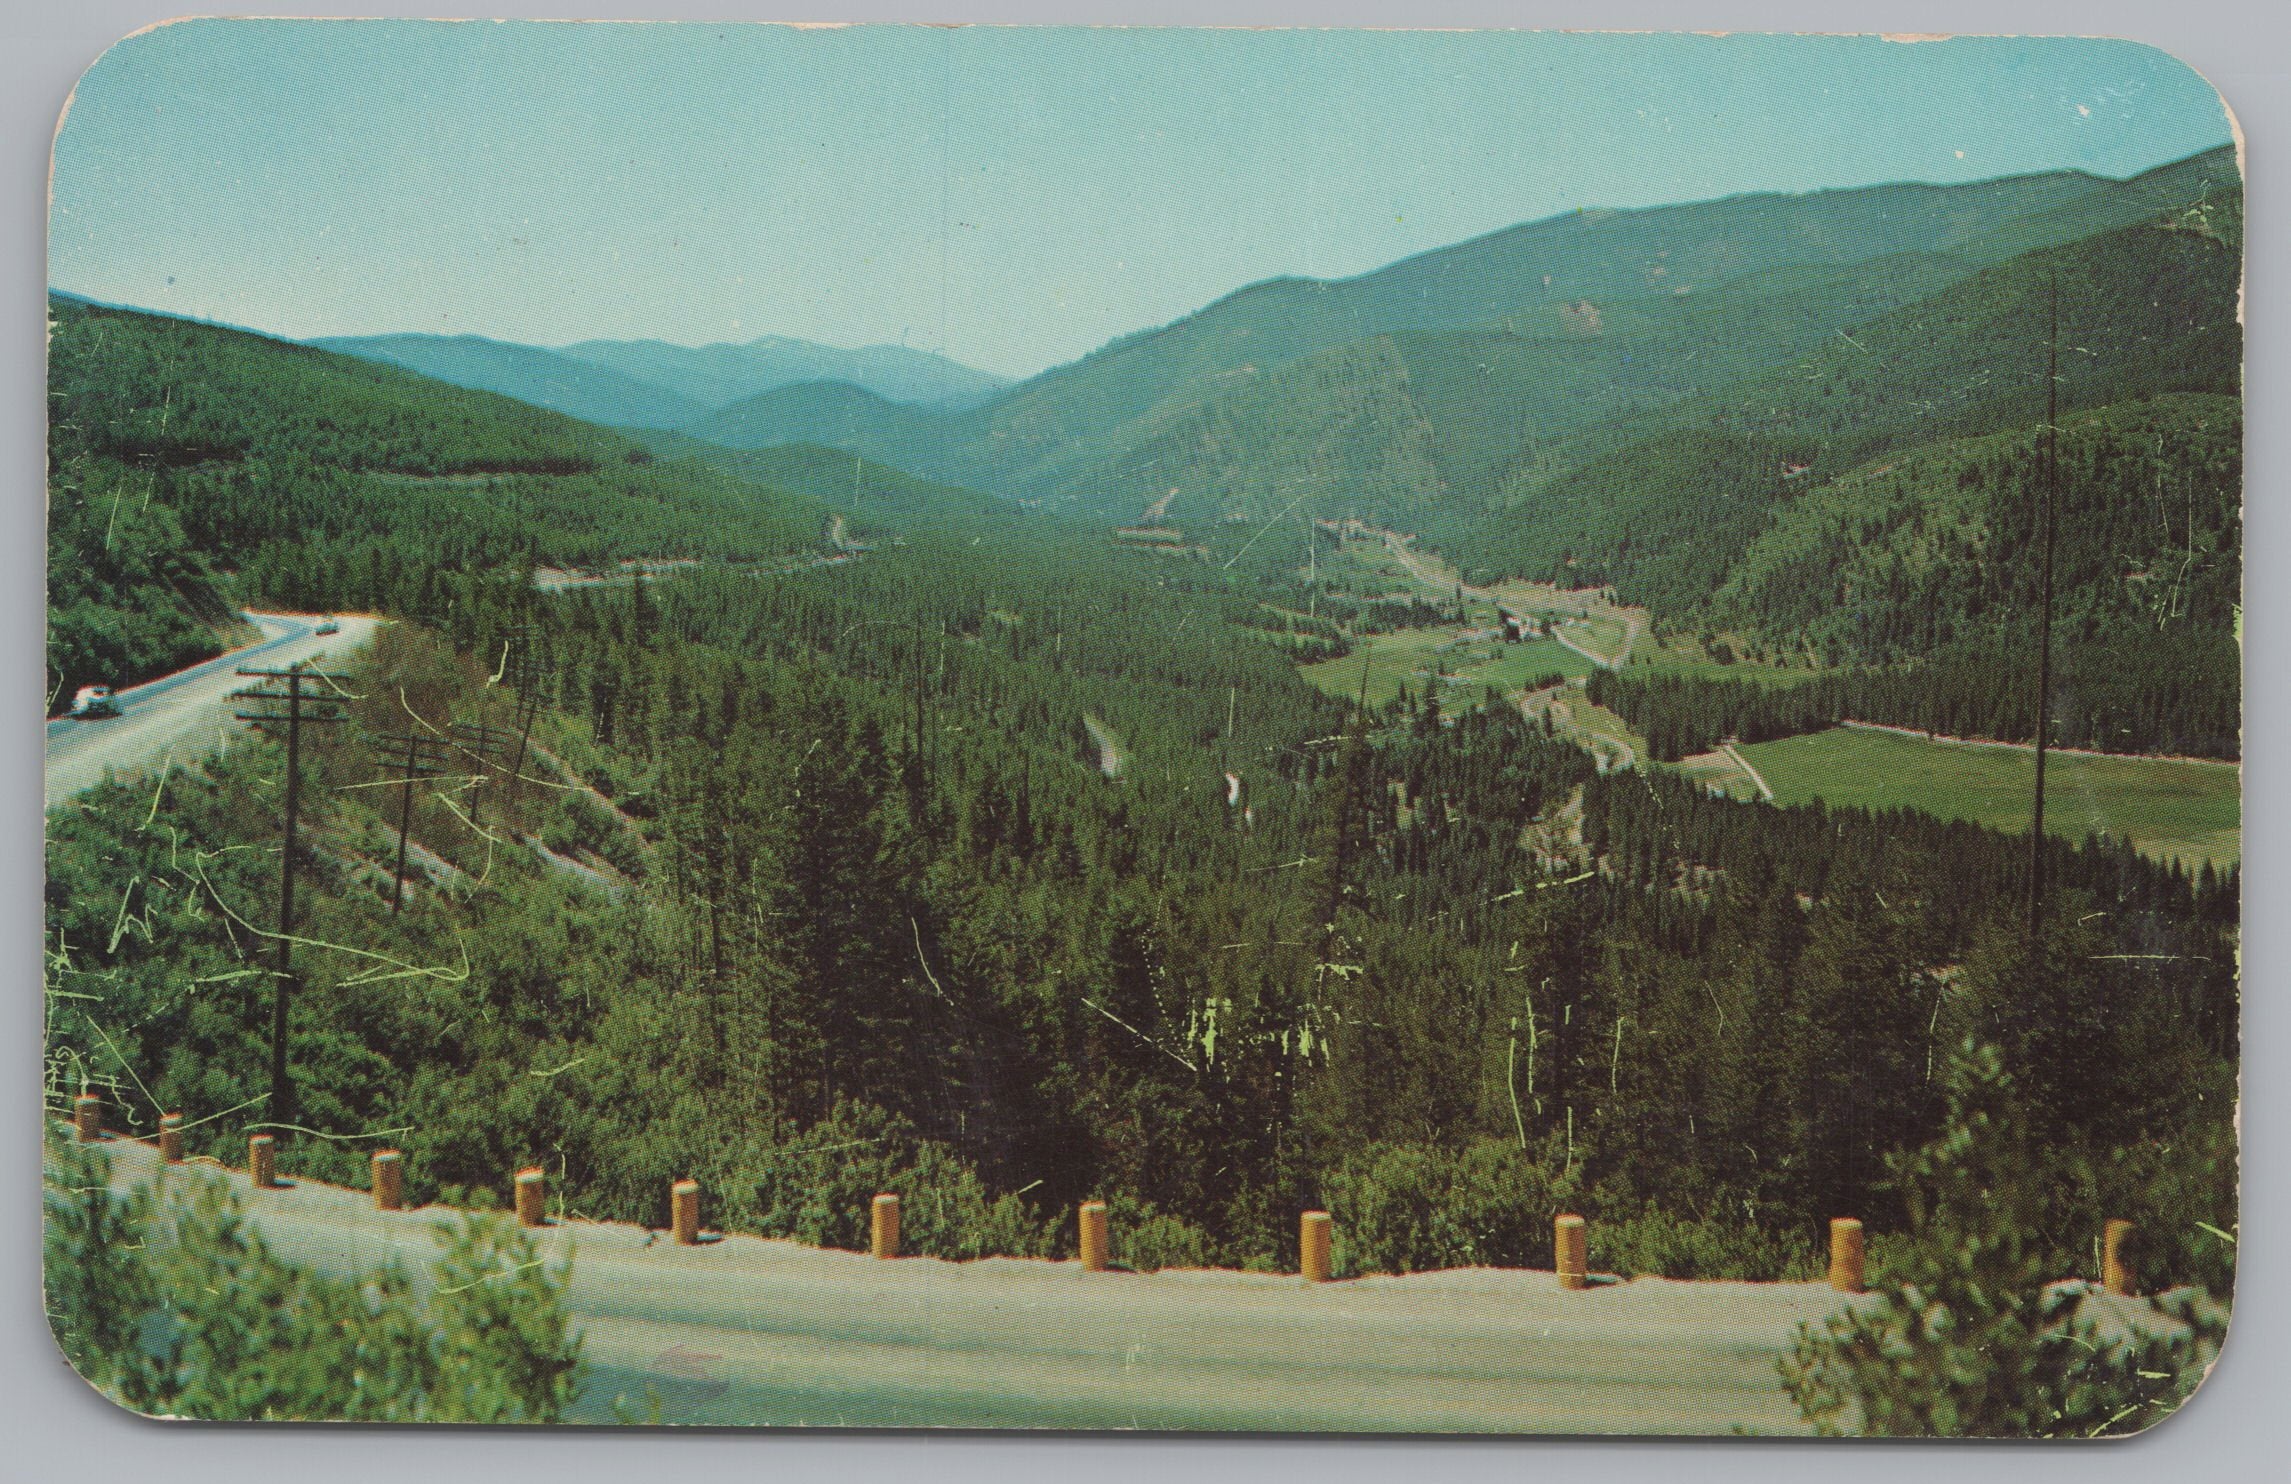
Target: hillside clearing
2170,809
1445,659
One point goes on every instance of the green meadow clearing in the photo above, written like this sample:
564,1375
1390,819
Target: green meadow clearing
1412,657
2186,811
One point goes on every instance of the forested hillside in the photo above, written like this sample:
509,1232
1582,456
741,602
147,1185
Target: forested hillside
869,492
1817,443
1640,310
1911,581
1909,553
180,451
923,870
2144,311
837,414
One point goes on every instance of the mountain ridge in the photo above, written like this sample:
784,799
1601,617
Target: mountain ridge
654,384
1045,437
721,373
531,374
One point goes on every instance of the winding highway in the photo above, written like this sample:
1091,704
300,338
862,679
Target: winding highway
185,715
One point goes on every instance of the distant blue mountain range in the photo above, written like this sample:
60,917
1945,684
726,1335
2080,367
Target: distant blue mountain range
652,384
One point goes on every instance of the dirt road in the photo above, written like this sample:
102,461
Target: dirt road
753,1331
1991,744
1614,754
1426,572
185,715
1734,753
1434,574
1592,655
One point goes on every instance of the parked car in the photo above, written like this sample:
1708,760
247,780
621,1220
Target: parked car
329,625
93,702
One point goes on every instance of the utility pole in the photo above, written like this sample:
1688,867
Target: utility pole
524,674
1313,560
297,708
2049,480
485,744
411,756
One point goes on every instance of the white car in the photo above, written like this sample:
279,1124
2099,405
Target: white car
93,702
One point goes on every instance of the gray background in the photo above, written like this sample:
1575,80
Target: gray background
56,1427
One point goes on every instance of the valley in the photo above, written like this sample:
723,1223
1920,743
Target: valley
2178,809
1441,748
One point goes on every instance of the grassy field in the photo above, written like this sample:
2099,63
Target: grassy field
1606,735
1717,770
2186,811
1365,569
1413,657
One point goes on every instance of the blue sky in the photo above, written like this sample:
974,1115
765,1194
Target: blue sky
1014,197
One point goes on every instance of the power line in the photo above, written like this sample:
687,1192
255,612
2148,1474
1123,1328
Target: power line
412,756
485,744
525,675
296,708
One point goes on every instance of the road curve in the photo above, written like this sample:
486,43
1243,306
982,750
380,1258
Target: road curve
1410,558
187,714
745,1330
1567,642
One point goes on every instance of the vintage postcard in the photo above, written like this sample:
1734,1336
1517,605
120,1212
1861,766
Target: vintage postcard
1049,728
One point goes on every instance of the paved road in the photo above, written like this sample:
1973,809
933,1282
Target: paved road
753,1331
187,714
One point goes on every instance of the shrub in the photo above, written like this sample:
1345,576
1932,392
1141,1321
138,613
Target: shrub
578,823
1967,1337
1655,1245
1147,1240
179,1309
1404,1208
818,1187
